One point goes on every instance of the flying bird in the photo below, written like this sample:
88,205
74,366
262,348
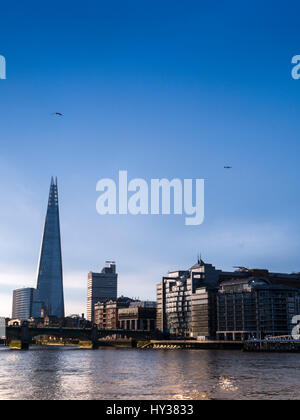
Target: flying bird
227,167
59,114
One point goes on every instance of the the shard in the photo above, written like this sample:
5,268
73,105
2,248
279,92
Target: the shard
50,295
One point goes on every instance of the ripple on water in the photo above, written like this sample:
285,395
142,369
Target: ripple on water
147,374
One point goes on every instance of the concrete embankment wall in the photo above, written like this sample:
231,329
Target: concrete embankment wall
193,344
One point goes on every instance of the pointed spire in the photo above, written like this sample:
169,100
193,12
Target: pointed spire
50,276
53,194
199,259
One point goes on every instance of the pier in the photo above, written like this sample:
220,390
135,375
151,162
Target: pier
283,344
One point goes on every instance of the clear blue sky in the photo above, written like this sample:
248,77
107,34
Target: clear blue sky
161,89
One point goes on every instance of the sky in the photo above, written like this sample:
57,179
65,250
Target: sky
162,89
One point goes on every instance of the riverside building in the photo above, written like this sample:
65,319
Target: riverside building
206,303
139,316
254,308
125,313
2,328
186,302
106,313
22,303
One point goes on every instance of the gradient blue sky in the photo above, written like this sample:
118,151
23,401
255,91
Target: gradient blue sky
161,89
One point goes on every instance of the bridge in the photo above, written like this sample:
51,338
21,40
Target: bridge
25,334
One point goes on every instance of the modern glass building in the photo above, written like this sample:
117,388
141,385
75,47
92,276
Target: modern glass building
255,308
22,303
186,302
2,328
50,295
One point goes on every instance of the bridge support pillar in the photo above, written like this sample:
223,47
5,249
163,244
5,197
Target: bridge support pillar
95,345
94,337
25,338
24,345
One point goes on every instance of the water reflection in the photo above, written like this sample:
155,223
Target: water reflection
44,370
70,373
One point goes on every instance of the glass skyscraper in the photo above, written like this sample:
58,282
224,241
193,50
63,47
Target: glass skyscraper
50,296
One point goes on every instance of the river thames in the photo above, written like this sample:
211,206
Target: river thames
111,373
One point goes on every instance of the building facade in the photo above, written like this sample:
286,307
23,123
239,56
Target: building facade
143,304
102,287
279,279
255,308
186,302
125,313
22,303
206,303
2,328
137,317
106,313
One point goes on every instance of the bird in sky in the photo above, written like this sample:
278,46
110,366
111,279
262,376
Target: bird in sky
59,114
227,167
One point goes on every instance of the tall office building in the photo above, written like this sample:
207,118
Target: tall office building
50,277
102,287
2,328
22,303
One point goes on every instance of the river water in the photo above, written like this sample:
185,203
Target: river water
111,373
